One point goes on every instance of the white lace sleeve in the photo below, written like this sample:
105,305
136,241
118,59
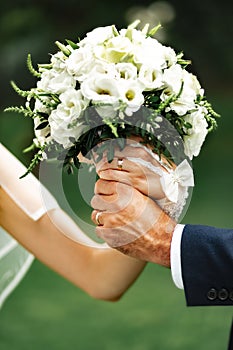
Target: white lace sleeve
175,182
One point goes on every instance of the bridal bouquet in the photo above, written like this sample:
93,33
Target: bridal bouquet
100,88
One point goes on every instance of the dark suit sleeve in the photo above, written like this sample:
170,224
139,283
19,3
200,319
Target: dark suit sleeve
207,265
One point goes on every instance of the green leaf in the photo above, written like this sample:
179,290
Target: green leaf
115,31
110,153
42,125
188,125
45,66
63,48
134,24
72,44
153,31
121,142
29,148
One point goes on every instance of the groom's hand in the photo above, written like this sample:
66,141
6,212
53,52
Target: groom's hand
131,222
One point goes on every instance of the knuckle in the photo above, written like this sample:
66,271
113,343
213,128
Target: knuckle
109,174
94,201
93,215
110,185
98,186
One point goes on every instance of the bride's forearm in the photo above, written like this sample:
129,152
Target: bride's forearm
102,273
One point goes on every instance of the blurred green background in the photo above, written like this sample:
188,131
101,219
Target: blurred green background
47,312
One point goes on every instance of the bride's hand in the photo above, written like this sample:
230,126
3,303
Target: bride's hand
139,176
132,222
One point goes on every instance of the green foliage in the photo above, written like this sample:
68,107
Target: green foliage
31,68
63,48
27,112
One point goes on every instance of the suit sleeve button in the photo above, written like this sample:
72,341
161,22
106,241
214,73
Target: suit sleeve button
223,294
212,294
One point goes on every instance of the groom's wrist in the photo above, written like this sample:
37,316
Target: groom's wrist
163,232
154,245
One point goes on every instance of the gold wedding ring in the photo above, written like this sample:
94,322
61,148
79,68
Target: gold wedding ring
119,164
97,218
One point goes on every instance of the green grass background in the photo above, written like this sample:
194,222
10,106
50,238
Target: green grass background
46,312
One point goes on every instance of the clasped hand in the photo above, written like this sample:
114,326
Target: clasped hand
128,218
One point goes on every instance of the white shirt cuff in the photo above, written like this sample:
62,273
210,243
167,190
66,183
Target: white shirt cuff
176,256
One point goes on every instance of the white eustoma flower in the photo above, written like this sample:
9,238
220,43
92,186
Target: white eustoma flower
114,49
41,107
97,35
101,88
126,70
55,82
65,120
42,135
150,77
137,37
197,134
131,95
104,90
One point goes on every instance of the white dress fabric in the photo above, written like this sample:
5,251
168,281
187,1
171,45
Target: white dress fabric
30,195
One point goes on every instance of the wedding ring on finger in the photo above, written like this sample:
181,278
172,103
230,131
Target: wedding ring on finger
119,163
97,218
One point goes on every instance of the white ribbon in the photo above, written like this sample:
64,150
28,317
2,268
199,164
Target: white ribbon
181,176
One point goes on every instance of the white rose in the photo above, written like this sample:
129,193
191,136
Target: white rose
64,120
55,82
192,83
169,56
184,103
173,79
149,53
79,63
58,61
197,134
